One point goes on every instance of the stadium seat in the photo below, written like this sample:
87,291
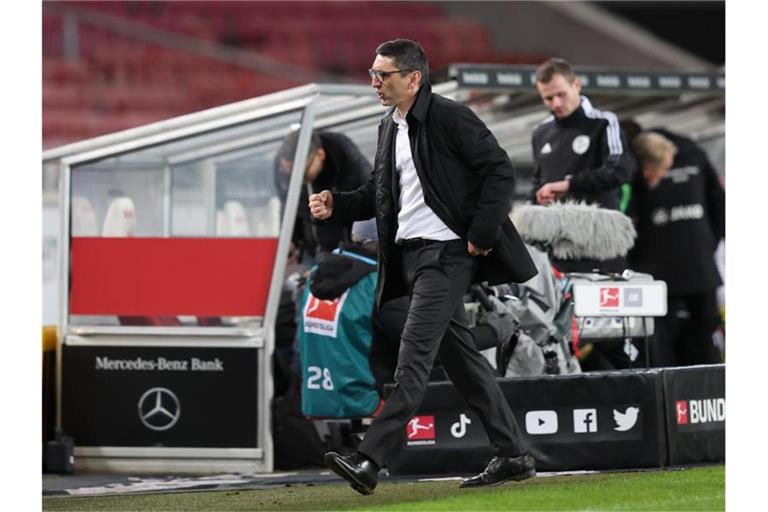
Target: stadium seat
84,221
120,220
120,80
222,228
236,219
266,219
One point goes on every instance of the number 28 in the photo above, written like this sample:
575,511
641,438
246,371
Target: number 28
316,374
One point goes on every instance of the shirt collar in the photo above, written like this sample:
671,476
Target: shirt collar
397,118
580,111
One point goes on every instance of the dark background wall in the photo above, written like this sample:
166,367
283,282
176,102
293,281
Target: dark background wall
698,27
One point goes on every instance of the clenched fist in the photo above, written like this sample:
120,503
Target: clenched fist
321,204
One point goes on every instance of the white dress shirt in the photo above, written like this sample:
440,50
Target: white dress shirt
415,219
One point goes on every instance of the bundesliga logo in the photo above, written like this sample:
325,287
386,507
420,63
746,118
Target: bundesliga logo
691,412
421,430
609,297
322,316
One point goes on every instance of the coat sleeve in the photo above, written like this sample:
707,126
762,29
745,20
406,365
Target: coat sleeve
618,163
480,150
536,179
358,204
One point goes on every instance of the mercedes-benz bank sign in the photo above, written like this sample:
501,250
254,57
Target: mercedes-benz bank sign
159,364
161,396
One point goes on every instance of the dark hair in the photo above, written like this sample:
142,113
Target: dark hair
288,148
408,55
552,67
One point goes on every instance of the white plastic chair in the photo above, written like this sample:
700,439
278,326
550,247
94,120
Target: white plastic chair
84,221
120,220
236,220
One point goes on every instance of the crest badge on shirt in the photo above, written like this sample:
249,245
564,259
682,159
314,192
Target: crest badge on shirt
546,149
580,144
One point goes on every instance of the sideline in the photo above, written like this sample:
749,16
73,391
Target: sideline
114,485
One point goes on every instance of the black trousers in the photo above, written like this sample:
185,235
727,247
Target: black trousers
387,322
437,276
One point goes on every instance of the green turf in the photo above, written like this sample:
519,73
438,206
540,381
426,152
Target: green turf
701,488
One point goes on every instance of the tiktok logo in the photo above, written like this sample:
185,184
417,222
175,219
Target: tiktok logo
459,429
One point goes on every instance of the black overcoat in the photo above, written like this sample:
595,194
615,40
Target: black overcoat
467,180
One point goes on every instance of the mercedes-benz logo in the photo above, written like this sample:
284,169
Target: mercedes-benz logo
159,409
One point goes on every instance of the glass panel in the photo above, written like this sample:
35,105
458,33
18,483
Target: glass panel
230,195
212,186
118,199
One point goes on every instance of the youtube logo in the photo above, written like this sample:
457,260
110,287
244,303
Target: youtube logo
541,422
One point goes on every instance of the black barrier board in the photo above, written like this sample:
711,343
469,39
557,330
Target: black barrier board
695,411
160,396
602,420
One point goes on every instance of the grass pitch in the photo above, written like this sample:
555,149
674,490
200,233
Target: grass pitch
701,488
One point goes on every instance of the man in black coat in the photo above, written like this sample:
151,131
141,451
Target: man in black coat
679,208
334,163
440,191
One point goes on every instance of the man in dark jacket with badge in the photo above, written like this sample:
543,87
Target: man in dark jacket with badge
579,152
440,190
679,209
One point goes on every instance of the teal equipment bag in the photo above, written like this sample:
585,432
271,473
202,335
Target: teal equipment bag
335,342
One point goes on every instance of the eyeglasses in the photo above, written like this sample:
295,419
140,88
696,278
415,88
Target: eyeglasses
383,75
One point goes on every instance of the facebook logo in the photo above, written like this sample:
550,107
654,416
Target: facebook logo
584,420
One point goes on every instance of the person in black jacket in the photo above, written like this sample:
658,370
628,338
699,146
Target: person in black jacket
679,209
440,190
335,163
579,152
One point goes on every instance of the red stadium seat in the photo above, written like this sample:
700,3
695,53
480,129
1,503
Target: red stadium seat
120,80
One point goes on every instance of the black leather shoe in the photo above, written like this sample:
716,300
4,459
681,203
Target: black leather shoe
503,469
357,469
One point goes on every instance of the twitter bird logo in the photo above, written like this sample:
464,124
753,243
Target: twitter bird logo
626,420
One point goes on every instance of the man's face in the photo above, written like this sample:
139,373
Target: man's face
395,89
560,96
